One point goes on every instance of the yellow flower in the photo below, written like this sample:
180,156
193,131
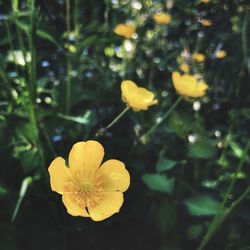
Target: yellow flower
188,86
125,30
88,189
136,97
220,54
205,1
198,57
162,18
185,67
206,22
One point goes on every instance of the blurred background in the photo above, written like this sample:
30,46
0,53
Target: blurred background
61,65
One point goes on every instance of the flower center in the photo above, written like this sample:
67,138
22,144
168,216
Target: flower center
86,190
85,187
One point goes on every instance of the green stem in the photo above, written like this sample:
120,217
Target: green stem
164,117
240,199
68,15
32,68
222,214
31,83
6,85
7,26
76,17
68,85
117,118
244,38
68,62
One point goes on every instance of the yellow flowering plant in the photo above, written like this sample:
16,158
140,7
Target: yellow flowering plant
162,18
220,54
88,188
198,57
206,22
188,86
124,30
184,67
135,97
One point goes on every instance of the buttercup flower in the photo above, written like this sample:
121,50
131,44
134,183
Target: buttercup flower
185,67
188,86
220,54
162,18
88,189
136,97
198,57
125,30
206,22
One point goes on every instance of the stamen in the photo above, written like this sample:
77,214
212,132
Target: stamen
86,189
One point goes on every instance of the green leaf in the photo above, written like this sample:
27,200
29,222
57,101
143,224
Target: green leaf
181,123
194,231
25,183
3,191
41,33
30,160
164,164
44,35
165,217
24,27
238,151
159,182
85,119
202,205
202,149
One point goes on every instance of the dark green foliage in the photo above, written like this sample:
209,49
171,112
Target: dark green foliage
63,85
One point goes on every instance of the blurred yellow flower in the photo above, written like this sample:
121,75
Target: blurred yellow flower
185,67
162,18
220,54
125,30
205,1
188,86
206,22
88,189
198,57
136,97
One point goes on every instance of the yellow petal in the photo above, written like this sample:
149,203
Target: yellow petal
59,174
136,97
187,85
116,176
162,18
145,95
72,207
176,77
128,87
220,54
129,93
86,156
125,30
110,204
198,57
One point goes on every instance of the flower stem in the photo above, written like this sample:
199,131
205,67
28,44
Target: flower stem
68,61
101,131
31,83
223,213
156,125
